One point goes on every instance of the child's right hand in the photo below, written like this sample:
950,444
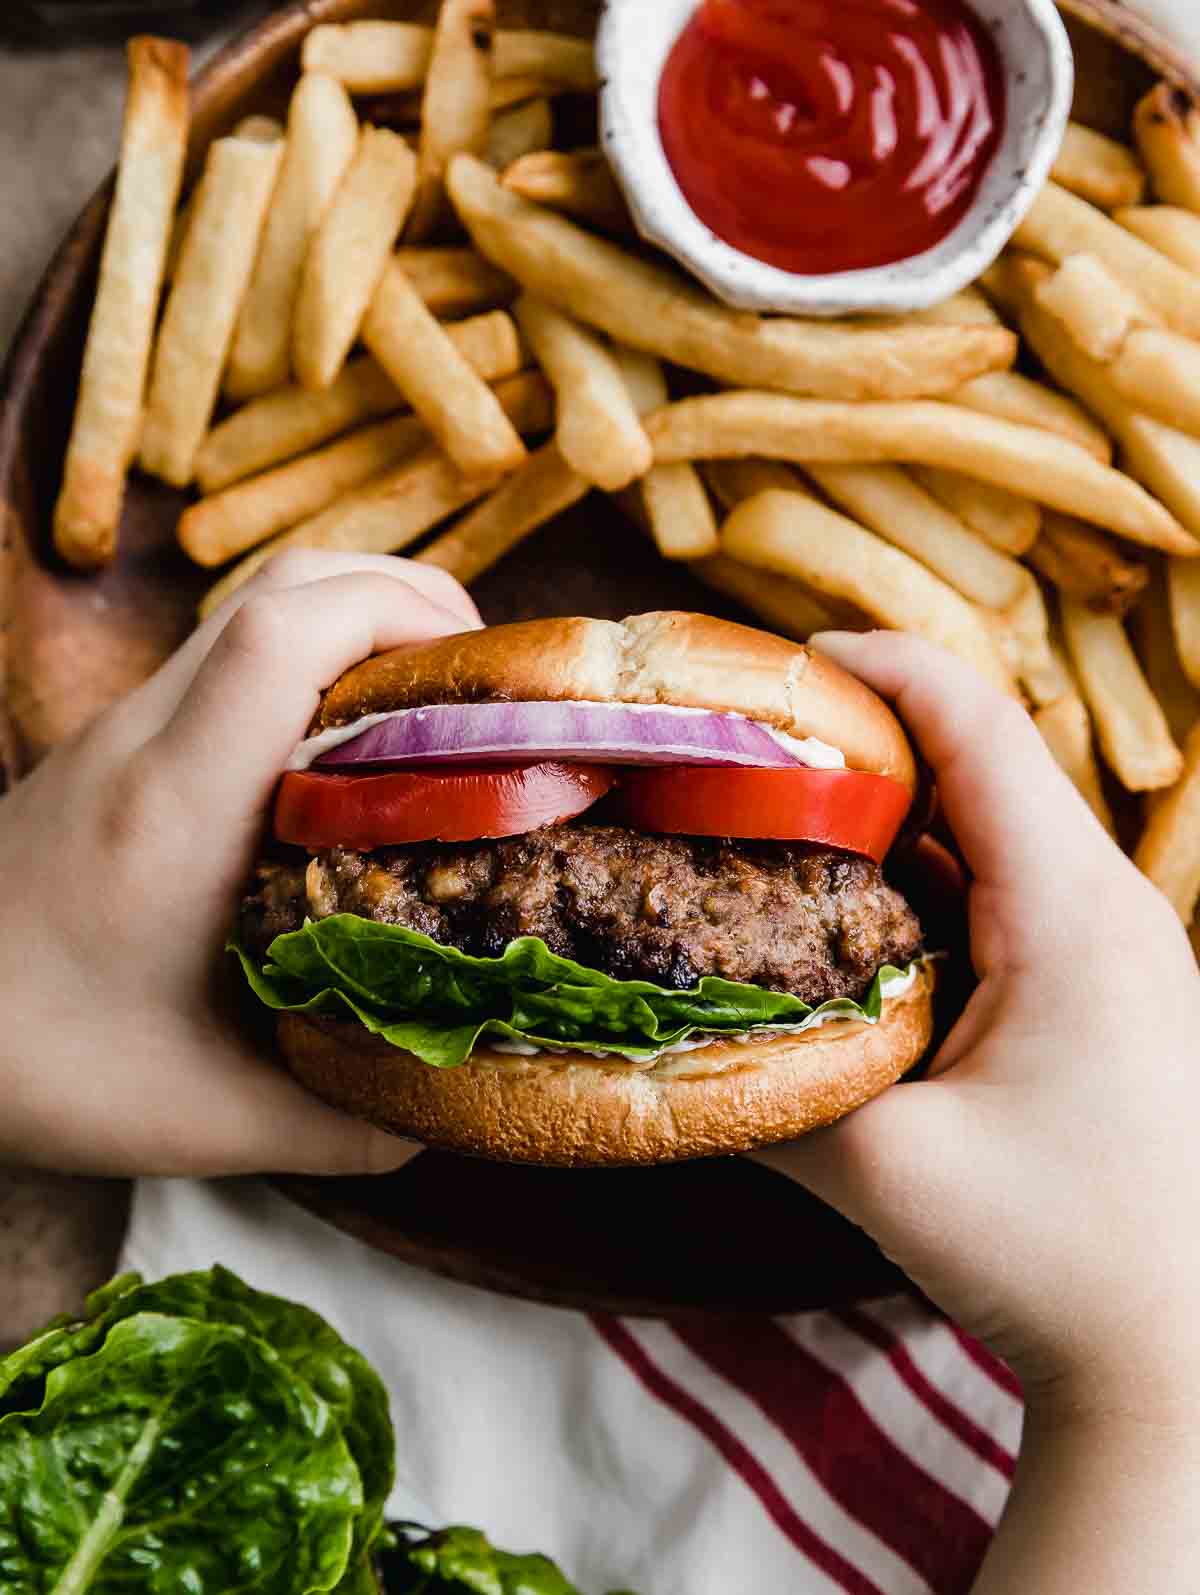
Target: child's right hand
1042,1184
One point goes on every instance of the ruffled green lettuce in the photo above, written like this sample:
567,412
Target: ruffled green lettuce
438,1002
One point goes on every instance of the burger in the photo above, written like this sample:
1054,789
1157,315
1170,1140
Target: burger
580,892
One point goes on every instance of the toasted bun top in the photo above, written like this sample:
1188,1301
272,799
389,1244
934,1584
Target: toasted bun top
667,656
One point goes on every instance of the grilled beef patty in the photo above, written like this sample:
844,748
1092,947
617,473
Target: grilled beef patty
668,909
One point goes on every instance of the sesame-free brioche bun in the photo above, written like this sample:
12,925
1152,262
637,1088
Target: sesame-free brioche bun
667,656
574,1111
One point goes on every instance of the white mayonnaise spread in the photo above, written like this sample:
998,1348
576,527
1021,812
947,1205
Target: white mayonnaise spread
810,751
893,986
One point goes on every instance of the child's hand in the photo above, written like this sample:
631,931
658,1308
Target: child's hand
121,858
1043,1185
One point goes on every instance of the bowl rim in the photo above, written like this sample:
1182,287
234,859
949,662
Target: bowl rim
664,217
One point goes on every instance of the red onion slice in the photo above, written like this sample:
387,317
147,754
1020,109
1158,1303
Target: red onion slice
605,733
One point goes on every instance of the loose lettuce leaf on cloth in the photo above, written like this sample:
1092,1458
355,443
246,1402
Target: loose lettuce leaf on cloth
460,1558
179,1455
437,1002
304,1342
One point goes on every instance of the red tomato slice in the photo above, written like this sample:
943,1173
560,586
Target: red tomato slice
450,804
847,809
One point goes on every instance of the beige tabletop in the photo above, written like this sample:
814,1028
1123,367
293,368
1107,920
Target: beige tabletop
60,116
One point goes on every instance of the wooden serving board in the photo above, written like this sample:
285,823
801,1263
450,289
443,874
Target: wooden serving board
717,1235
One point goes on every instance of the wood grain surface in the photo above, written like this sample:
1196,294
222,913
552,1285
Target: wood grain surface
72,645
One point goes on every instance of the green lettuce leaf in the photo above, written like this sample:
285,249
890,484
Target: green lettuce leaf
303,1341
437,1002
179,1455
460,1558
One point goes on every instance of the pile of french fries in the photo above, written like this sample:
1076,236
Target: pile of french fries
445,325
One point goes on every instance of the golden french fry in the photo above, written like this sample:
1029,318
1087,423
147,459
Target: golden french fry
348,252
202,307
108,411
456,108
1164,459
1097,311
1038,665
1166,125
456,282
669,501
321,140
1066,728
384,57
1169,229
1183,590
1154,638
598,431
1059,224
456,404
1132,729
543,487
179,227
1087,566
218,528
1169,849
794,535
969,307
886,500
579,182
1098,169
654,309
293,420
644,378
731,481
507,92
260,129
1159,372
786,606
519,131
1013,397
1050,469
370,57
1003,520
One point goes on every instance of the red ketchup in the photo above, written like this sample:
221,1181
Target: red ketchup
825,135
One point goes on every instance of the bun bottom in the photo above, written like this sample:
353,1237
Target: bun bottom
577,1112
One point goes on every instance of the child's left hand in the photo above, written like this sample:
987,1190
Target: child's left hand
121,858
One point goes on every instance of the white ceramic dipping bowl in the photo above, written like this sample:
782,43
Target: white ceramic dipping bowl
634,40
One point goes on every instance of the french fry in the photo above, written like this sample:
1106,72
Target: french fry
1154,639
1097,311
456,282
886,500
599,283
259,129
577,182
348,252
385,57
202,307
456,108
1174,232
786,606
1159,373
670,499
1132,729
1013,397
227,524
292,420
598,431
1050,469
1037,663
967,308
1169,849
108,410
420,357
731,481
321,140
1004,520
1183,591
1166,125
544,487
795,536
1066,729
1164,459
1098,169
1059,224
179,227
518,132
370,57
1087,566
